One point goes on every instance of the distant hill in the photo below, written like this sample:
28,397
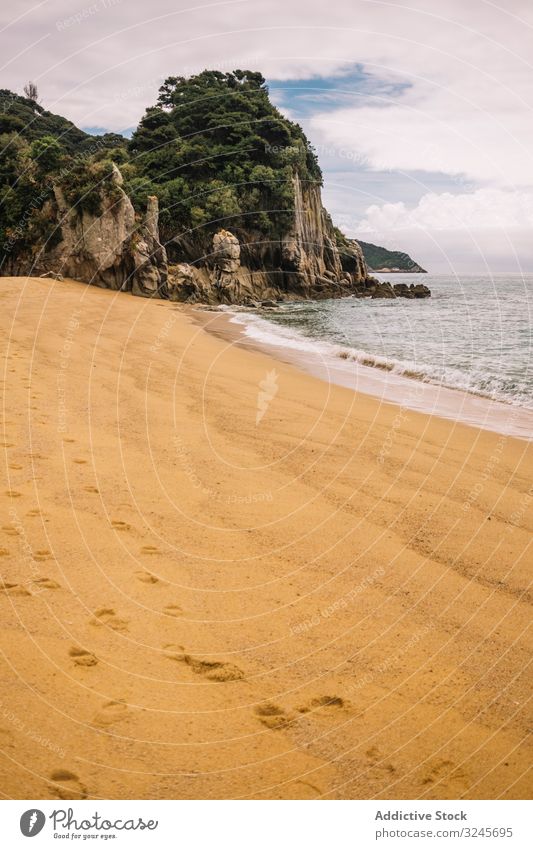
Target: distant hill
380,259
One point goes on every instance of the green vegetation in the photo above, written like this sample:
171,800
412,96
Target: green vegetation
31,121
38,149
377,258
213,149
217,153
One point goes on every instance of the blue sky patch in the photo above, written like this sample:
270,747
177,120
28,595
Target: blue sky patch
355,87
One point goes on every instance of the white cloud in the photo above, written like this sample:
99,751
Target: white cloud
489,229
485,209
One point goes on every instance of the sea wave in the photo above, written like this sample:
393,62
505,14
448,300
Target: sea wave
477,381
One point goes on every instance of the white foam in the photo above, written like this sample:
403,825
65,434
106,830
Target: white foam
489,406
476,382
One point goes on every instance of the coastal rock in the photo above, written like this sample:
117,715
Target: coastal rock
414,290
227,260
310,260
108,248
150,270
94,248
185,284
383,290
52,275
399,290
113,249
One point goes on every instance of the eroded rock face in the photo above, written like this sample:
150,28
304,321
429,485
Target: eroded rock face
110,249
94,248
227,262
186,283
114,250
245,267
150,270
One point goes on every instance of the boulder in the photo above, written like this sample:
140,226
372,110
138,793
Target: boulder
419,290
185,284
383,290
415,290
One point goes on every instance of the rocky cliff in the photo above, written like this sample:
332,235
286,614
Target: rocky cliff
244,267
111,248
216,198
115,249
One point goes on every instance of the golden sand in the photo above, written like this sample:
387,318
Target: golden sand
224,578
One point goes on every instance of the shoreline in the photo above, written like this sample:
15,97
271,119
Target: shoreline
456,405
224,578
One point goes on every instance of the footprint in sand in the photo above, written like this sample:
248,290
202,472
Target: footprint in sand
172,610
66,785
35,512
12,493
119,525
82,657
107,616
47,583
111,712
376,760
11,530
67,439
149,549
9,588
42,554
7,444
15,466
213,670
324,705
4,552
273,716
444,773
91,489
80,461
146,577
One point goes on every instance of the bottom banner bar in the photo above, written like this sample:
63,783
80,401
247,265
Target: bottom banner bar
262,825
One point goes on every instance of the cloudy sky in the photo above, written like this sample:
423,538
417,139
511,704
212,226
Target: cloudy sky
421,112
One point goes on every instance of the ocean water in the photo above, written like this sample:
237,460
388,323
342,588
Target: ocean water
474,334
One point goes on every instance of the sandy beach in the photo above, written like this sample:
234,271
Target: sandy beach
225,578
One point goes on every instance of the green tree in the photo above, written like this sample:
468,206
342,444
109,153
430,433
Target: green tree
47,155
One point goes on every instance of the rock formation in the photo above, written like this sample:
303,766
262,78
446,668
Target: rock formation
311,260
69,214
114,250
227,264
110,249
150,271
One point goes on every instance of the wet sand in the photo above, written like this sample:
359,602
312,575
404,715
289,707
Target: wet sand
225,578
